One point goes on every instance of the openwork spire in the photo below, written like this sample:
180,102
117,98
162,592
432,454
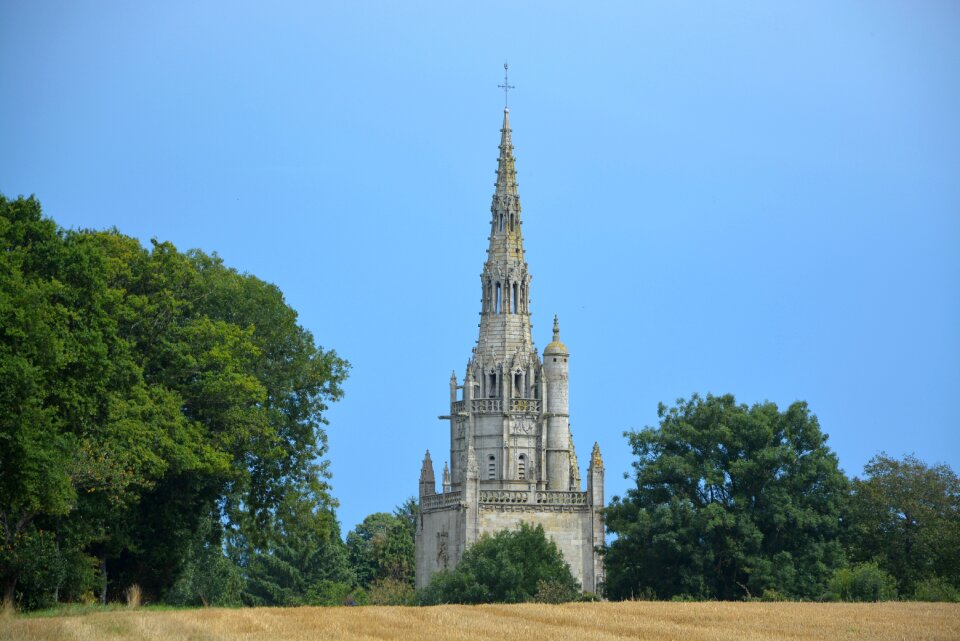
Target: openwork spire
505,316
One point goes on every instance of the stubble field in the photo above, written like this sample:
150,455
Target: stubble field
580,622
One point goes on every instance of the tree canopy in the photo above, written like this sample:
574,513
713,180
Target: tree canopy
905,517
382,547
730,502
144,392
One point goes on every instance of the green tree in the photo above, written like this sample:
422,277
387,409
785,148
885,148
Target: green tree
208,576
905,516
730,502
511,566
78,423
141,392
306,562
251,386
382,547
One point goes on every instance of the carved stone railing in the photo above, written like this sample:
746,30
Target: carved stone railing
457,407
486,405
525,405
495,406
437,501
504,496
561,498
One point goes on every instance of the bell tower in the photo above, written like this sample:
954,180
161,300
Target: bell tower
512,457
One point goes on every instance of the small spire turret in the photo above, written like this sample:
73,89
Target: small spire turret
428,483
556,347
596,461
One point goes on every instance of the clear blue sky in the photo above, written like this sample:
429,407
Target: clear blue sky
755,198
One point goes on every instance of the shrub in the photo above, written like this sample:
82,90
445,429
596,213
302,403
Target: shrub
862,582
335,593
512,566
554,592
936,589
391,592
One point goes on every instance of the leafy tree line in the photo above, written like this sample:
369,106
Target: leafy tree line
161,424
737,502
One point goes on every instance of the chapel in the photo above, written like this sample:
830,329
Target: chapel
512,457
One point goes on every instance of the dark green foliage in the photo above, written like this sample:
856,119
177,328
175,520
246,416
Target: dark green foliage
207,576
512,566
307,564
936,589
905,515
382,547
730,501
140,392
862,582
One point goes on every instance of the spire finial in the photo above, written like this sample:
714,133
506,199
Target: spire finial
556,328
506,86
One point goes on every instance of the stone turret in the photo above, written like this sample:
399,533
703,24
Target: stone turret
557,412
428,484
595,496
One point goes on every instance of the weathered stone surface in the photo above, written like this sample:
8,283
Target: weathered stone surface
512,458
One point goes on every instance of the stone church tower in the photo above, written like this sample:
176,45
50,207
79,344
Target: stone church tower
511,453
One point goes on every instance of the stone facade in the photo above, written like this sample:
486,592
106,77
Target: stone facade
512,457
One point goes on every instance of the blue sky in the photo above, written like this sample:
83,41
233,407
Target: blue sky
754,198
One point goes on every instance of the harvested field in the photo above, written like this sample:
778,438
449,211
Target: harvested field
579,622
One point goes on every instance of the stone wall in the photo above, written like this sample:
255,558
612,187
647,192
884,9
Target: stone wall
441,539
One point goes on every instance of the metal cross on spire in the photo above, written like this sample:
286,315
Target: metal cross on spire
506,86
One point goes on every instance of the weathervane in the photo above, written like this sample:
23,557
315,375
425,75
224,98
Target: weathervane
506,86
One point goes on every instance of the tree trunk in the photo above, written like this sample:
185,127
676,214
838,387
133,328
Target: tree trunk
103,572
9,591
56,590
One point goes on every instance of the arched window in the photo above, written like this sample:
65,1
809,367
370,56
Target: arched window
497,306
516,297
522,467
501,222
491,467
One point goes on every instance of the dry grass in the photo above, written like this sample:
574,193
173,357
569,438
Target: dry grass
580,622
134,596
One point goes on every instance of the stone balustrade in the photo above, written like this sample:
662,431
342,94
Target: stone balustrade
438,501
515,497
504,496
495,406
487,406
561,498
525,405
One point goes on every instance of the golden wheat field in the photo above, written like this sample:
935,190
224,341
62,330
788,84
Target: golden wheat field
580,622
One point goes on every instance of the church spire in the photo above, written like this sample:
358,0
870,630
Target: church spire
505,314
